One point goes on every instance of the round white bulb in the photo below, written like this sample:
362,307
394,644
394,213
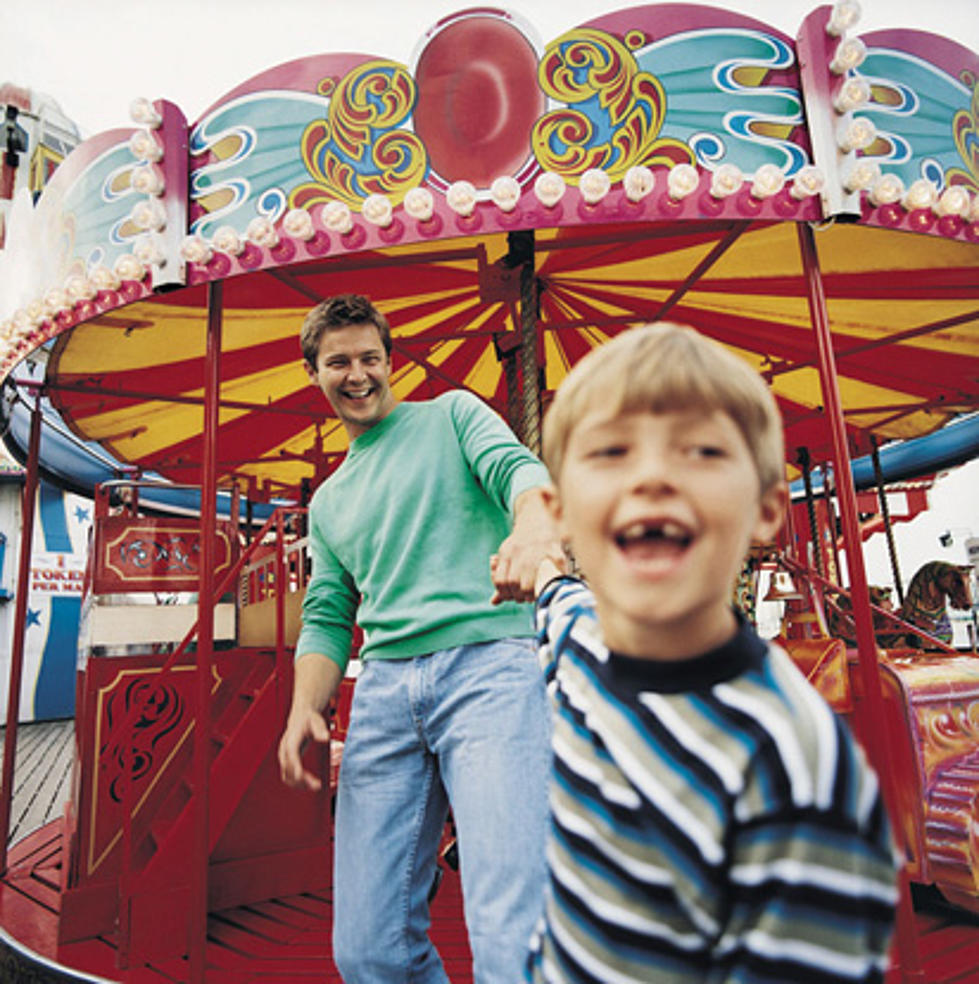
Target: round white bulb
262,232
921,194
337,217
857,133
419,204
461,197
808,181
377,210
769,180
103,278
505,193
147,250
298,224
549,188
226,240
55,301
954,200
144,147
80,288
142,111
889,188
195,250
127,267
726,180
147,180
974,210
149,214
845,14
850,53
682,180
854,94
862,176
594,185
638,182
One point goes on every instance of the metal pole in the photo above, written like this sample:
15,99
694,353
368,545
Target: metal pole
522,249
886,516
205,637
20,627
907,939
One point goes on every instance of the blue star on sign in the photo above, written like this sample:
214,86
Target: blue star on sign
33,617
81,514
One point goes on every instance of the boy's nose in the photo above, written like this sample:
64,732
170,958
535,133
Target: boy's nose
651,475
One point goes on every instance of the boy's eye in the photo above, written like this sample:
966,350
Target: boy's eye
706,451
608,451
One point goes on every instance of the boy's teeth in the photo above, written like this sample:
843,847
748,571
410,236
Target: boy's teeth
640,530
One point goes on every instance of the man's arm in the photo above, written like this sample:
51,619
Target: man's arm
317,679
531,550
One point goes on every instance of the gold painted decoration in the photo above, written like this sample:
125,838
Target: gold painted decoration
614,111
359,149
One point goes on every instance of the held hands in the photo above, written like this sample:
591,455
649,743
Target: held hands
535,541
302,726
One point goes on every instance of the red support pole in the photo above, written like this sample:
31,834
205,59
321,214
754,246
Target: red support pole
907,939
20,627
205,638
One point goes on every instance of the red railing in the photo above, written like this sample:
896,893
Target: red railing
121,738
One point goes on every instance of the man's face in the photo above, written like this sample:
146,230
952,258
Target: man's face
659,510
353,371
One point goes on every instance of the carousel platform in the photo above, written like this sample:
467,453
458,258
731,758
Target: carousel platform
278,941
282,940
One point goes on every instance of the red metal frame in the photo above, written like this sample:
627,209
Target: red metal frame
907,939
28,503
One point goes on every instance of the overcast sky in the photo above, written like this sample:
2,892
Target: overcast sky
94,56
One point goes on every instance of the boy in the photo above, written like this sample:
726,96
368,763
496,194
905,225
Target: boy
711,819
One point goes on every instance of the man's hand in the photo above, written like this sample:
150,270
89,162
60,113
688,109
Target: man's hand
317,679
300,728
535,539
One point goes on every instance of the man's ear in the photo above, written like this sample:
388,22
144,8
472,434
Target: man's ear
311,373
771,513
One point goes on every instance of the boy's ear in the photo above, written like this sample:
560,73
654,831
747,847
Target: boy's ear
771,513
552,500
311,373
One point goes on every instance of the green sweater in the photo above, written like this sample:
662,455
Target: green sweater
406,526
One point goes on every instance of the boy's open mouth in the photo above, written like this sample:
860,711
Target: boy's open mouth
654,538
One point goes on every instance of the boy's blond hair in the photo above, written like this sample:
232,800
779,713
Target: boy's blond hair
660,368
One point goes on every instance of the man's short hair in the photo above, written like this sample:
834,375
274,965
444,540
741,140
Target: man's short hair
661,368
340,312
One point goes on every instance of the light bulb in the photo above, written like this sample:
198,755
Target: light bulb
682,180
850,53
549,188
419,203
726,181
594,185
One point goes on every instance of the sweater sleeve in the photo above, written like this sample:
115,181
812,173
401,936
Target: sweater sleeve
330,604
501,464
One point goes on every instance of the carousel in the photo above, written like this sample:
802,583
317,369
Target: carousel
813,203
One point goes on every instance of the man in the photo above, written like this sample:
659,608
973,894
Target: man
449,709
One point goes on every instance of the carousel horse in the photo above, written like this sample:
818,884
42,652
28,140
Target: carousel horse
934,587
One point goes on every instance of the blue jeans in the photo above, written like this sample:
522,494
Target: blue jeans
467,727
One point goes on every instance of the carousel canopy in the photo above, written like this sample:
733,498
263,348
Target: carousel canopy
510,205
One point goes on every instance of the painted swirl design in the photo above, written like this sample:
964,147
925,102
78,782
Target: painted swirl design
965,133
614,111
358,149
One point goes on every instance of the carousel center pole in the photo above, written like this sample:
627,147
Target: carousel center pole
205,636
522,247
906,933
20,627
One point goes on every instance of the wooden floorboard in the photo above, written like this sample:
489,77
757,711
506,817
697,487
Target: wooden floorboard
42,774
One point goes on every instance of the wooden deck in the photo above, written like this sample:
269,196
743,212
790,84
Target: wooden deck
282,941
42,774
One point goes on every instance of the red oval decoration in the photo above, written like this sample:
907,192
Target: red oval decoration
478,99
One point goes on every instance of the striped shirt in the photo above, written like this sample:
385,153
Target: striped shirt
711,820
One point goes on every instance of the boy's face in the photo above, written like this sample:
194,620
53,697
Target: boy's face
659,510
353,370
